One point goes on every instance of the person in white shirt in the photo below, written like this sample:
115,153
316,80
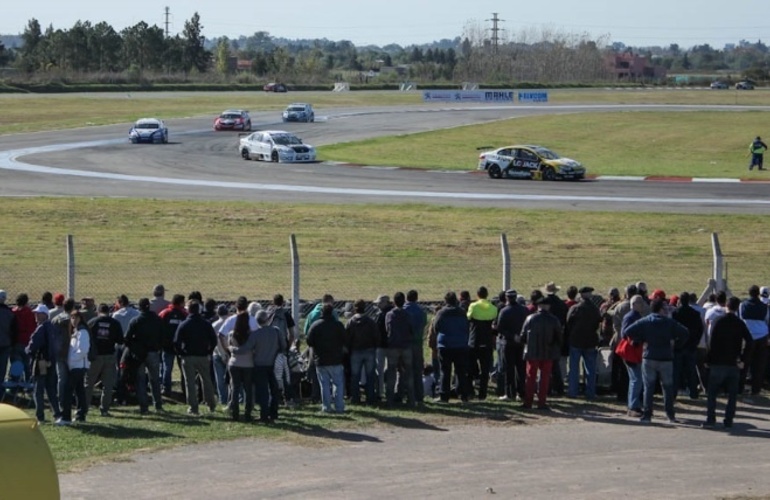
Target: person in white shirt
78,363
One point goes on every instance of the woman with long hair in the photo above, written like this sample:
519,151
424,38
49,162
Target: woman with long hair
78,364
241,366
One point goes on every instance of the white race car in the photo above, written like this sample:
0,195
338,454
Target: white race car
150,130
276,146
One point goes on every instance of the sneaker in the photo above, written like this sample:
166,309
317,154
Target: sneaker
728,425
645,420
193,413
503,398
635,413
672,420
61,422
105,413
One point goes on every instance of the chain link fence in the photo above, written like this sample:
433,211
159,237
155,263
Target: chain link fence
363,276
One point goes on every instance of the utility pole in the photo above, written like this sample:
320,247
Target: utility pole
495,30
168,13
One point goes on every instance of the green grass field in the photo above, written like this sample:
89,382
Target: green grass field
693,143
228,249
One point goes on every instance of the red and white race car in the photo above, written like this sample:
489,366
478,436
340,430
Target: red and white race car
233,119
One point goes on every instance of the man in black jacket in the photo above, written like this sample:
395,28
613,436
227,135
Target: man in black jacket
194,341
510,348
327,338
730,340
582,332
685,358
363,338
106,333
143,341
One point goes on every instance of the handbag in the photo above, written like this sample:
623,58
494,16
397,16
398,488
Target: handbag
629,352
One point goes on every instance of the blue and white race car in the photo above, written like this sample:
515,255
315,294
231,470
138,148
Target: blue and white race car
276,146
149,130
299,112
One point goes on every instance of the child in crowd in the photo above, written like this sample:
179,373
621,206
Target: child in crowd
428,381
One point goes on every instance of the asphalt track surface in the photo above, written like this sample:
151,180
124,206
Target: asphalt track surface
202,164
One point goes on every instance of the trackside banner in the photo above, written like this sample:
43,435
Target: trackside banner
468,96
482,96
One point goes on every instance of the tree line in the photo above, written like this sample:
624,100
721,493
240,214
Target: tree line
546,56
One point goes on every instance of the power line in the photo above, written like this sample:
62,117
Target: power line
168,13
495,30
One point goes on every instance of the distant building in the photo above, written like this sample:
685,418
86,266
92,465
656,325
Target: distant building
634,68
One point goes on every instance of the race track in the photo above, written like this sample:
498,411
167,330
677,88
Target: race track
202,164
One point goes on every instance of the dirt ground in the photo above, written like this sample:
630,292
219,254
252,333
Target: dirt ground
590,455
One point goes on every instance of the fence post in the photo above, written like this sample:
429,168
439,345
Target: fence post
70,266
719,263
294,279
506,261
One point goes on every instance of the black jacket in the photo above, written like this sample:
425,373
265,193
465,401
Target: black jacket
327,338
727,337
195,337
144,334
105,333
510,320
690,319
362,333
582,328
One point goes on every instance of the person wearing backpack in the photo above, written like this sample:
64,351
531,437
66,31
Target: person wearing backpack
280,317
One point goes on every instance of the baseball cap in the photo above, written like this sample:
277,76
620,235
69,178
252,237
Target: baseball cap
41,308
764,291
58,299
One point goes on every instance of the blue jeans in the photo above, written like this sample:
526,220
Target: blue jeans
266,392
46,384
365,359
328,376
20,354
635,385
685,371
220,372
651,371
166,368
589,368
399,358
722,377
150,366
63,379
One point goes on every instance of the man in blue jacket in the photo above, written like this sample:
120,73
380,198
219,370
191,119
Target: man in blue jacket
399,351
659,334
449,334
42,349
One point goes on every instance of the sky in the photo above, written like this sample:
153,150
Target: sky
405,22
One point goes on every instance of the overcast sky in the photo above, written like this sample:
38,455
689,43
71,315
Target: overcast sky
652,22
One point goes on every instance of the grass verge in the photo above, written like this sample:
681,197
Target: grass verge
225,249
35,112
695,143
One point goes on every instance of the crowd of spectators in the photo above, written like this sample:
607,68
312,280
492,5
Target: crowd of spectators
252,355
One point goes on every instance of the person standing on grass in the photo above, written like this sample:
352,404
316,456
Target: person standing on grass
730,341
172,316
399,351
757,150
268,343
280,317
481,315
449,334
106,334
195,340
511,350
362,337
756,315
583,321
220,358
58,303
143,340
26,323
327,338
43,350
543,334
241,366
685,360
559,309
660,335
158,301
383,307
635,383
8,333
78,363
419,319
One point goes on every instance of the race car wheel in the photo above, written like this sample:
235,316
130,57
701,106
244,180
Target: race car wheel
274,157
245,154
549,174
494,171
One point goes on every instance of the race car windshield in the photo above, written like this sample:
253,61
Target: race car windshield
230,116
147,125
286,140
296,108
547,154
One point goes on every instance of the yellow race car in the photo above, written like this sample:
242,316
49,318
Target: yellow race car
529,162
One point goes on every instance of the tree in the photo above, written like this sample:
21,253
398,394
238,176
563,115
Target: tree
195,54
223,56
29,54
5,55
